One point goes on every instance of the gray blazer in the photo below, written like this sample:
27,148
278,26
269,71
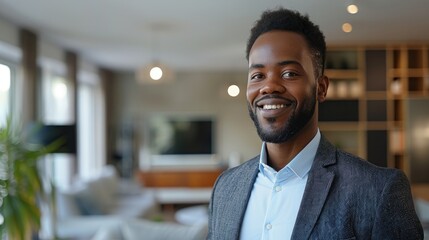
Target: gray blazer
345,198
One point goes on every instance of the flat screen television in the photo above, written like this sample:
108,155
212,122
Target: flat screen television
180,138
46,134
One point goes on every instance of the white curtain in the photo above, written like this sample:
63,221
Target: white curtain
91,125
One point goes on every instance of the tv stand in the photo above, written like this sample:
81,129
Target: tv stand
167,178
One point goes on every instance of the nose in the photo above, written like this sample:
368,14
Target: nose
272,85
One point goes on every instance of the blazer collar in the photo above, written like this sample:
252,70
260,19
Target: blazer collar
237,204
319,181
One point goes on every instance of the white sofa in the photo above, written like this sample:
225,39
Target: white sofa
138,229
104,201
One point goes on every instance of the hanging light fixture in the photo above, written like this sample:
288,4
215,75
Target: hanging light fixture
233,90
155,71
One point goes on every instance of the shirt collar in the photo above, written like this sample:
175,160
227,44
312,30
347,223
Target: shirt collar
300,164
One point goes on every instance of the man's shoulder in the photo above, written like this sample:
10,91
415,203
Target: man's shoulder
247,167
350,164
238,175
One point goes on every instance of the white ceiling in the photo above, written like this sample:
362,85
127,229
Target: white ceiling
201,34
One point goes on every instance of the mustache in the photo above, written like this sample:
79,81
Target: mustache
273,96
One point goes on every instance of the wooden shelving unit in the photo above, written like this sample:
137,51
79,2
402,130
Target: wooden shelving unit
366,109
340,116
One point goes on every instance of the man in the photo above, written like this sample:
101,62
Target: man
301,186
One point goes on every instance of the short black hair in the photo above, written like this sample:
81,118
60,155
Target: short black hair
289,20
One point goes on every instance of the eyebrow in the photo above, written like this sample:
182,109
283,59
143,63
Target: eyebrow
282,63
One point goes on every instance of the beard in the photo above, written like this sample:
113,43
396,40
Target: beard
296,121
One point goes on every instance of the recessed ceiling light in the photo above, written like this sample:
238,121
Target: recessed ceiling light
352,9
347,27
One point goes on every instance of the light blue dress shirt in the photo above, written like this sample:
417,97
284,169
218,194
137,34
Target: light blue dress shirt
276,196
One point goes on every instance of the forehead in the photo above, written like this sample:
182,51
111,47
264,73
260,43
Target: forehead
279,44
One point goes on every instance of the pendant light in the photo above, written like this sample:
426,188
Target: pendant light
155,71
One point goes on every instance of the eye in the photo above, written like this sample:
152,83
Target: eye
256,76
289,74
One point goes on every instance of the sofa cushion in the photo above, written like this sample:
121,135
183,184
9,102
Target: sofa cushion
108,233
109,180
84,227
100,191
136,205
192,215
66,204
136,229
128,187
88,202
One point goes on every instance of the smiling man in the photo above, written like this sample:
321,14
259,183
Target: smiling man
301,186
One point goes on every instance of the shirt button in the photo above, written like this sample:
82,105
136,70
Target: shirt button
268,226
278,188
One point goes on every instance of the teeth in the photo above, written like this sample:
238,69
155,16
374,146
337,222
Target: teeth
269,107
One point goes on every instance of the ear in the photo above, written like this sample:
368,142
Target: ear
322,88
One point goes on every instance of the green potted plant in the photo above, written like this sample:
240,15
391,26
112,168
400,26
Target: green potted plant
21,188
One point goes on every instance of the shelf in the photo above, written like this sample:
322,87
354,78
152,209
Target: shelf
375,73
418,72
339,126
396,141
344,89
374,125
427,83
377,147
342,59
396,124
398,161
398,110
345,140
415,58
398,61
367,111
339,110
376,110
415,84
396,72
396,88
341,74
379,95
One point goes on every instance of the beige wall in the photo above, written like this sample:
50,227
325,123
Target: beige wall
196,93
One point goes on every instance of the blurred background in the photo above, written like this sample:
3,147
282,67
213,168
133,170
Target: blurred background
89,66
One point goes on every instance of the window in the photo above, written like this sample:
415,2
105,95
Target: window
57,98
91,119
5,86
57,109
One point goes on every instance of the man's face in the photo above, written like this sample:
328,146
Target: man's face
282,87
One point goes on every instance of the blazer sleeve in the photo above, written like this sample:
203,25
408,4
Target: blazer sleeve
396,217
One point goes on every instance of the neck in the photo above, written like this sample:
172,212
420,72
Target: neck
280,154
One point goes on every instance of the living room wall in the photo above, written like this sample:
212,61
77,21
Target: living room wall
190,93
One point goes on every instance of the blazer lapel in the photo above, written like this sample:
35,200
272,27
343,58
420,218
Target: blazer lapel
318,184
236,198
